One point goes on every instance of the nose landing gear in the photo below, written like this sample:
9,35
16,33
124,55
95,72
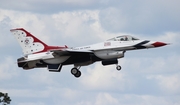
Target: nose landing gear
118,67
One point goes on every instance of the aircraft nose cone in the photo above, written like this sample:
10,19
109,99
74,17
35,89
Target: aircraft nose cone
159,44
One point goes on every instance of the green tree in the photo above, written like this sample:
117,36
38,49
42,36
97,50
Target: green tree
4,98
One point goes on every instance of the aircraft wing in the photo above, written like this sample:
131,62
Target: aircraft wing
69,52
60,52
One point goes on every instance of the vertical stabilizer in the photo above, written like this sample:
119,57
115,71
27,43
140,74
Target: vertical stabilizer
29,43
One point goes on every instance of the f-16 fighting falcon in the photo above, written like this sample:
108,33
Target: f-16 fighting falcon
38,54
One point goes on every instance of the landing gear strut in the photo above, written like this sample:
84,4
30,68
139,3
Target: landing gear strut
75,71
118,67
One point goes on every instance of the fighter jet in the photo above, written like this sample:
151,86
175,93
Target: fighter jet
38,54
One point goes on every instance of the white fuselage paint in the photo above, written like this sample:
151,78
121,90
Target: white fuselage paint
48,57
109,49
104,50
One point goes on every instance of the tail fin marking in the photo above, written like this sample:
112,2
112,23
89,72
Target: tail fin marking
29,43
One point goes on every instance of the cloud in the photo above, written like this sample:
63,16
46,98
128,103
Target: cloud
106,78
69,22
8,72
105,99
30,103
114,18
5,25
140,18
45,6
147,76
145,99
168,83
65,26
128,99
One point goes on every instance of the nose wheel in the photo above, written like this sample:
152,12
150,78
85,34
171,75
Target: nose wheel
75,72
118,67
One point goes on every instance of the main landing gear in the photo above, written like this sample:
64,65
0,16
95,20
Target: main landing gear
75,71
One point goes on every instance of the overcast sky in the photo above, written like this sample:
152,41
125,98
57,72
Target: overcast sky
148,77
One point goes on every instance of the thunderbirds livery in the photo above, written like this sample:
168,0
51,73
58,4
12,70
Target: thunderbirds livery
38,54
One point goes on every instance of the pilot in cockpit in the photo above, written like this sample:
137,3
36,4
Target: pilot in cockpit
122,39
126,39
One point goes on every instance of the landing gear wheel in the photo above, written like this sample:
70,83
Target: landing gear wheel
78,74
118,67
74,71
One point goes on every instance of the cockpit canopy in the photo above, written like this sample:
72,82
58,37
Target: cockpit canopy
123,38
